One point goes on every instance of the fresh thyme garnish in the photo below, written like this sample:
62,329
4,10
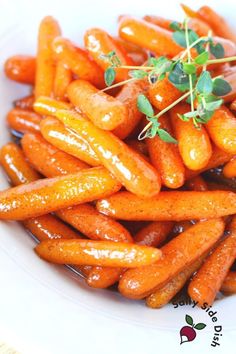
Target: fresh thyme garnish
188,73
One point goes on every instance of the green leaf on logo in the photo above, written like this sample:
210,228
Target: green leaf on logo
189,320
200,326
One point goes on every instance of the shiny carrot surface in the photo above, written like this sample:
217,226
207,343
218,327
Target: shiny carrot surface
229,285
103,277
25,102
229,170
197,184
137,54
21,68
23,120
154,234
48,106
63,78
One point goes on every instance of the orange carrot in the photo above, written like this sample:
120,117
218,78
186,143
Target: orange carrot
154,234
139,146
174,205
45,65
48,106
229,170
24,102
194,144
178,254
137,54
103,110
100,43
23,120
166,158
208,280
229,285
21,68
103,277
63,78
78,61
134,172
196,184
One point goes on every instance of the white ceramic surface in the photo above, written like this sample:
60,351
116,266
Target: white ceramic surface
34,321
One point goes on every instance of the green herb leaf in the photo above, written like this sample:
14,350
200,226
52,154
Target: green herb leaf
217,50
165,136
189,68
175,26
138,74
200,326
162,76
180,38
145,106
179,78
202,58
221,87
212,102
205,83
189,320
109,76
183,117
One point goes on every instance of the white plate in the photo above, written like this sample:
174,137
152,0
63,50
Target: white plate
42,306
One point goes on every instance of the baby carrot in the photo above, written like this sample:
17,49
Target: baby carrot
47,159
78,61
100,43
229,170
229,285
159,21
134,172
137,54
50,194
103,110
139,146
149,36
196,184
23,120
48,106
101,253
208,280
63,78
174,205
222,129
194,144
24,102
166,158
21,68
103,277
45,65
177,254
66,140
154,234
128,96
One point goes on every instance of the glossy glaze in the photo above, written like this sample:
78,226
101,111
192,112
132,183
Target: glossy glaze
63,78
154,234
23,120
21,68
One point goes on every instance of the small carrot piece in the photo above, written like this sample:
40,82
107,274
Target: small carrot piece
23,121
229,284
24,102
139,146
103,277
196,184
134,172
149,36
66,140
177,254
99,43
137,54
229,170
101,253
48,106
21,68
159,21
208,280
166,159
169,206
51,194
45,65
78,61
222,129
154,234
63,78
189,12
105,111
194,144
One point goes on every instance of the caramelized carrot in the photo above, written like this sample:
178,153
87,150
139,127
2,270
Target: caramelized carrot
102,253
134,172
103,277
208,280
176,205
229,284
50,194
159,21
103,110
229,170
196,184
63,78
21,68
222,129
139,146
194,144
100,43
25,102
48,106
78,61
23,120
137,54
154,234
166,158
149,36
45,65
178,254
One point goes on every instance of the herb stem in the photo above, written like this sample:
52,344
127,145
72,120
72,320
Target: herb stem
136,67
189,61
207,49
192,45
222,60
118,84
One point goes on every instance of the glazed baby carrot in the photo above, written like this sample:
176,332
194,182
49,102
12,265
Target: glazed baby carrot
105,111
128,96
229,285
25,102
166,158
66,140
101,253
149,36
181,226
139,146
23,120
154,234
137,54
177,254
208,280
21,68
174,205
229,170
134,172
103,277
196,184
63,78
51,194
45,65
78,61
48,106
47,159
100,43
194,144
222,129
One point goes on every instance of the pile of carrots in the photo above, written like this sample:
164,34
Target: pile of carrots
140,213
